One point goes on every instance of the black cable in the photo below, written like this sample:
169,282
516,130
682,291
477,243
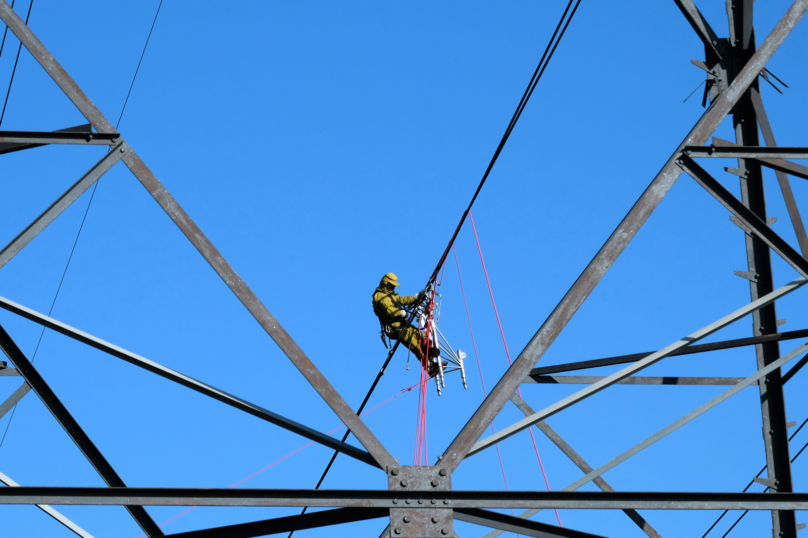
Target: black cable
5,33
19,49
86,211
548,54
764,491
132,85
753,481
694,91
545,60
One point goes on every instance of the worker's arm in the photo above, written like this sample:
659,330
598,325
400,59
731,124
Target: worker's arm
408,299
390,305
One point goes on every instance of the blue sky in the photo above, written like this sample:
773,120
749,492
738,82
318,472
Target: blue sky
321,145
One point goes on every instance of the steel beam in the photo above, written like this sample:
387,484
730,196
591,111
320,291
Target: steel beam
581,464
82,135
636,367
63,202
782,178
746,152
614,246
524,527
788,167
794,369
200,241
277,525
58,516
72,428
184,380
745,215
15,397
10,145
699,348
700,25
633,380
369,498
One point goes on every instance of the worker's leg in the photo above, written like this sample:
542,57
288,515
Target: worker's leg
411,337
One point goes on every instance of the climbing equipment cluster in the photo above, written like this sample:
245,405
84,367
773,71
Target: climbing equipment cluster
427,313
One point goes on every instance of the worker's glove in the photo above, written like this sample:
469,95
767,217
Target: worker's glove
422,295
401,313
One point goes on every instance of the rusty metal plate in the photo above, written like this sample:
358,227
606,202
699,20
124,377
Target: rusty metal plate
425,517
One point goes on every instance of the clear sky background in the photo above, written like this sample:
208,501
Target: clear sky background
320,145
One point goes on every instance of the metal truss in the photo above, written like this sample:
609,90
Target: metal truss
420,502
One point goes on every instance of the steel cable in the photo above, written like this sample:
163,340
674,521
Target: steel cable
534,80
752,482
5,32
13,71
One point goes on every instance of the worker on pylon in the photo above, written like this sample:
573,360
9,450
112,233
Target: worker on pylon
387,305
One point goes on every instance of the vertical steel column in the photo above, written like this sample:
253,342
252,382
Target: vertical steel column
764,321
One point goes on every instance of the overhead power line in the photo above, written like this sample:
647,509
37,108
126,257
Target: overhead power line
534,80
13,71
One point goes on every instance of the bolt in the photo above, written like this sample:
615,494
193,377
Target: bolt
394,472
444,532
407,501
403,483
434,520
445,501
395,501
397,531
406,519
434,483
434,501
771,432
442,472
420,501
121,149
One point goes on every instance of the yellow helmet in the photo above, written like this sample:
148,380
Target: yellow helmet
390,278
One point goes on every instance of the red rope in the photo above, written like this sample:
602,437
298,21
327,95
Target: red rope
479,368
508,353
401,393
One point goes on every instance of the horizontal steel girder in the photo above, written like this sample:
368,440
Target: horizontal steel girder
81,135
58,516
184,380
698,348
368,498
746,152
633,380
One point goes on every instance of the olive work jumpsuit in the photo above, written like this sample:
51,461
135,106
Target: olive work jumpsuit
387,306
